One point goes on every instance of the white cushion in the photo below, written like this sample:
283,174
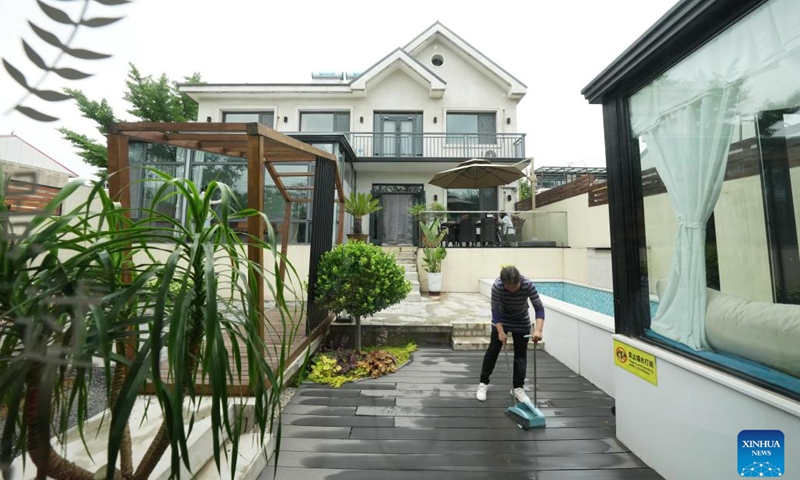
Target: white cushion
766,333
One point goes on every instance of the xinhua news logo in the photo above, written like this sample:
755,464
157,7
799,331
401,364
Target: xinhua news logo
761,453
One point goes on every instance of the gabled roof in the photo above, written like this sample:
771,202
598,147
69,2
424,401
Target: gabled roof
399,59
437,31
34,157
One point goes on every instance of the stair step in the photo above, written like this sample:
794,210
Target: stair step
412,276
471,328
414,296
409,267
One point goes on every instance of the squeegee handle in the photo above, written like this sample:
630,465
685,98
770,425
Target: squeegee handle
535,403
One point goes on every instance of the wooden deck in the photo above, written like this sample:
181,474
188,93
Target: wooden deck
274,333
424,422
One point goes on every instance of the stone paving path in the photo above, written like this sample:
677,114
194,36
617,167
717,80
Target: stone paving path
450,307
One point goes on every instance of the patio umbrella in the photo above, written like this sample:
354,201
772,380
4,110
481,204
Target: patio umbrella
477,173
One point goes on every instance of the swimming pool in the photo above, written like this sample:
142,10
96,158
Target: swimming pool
591,298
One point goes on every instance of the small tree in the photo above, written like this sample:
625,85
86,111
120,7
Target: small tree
361,279
358,205
152,100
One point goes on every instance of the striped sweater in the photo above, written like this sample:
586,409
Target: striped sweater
511,309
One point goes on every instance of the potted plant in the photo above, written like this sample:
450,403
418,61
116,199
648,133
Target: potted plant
360,278
433,254
359,205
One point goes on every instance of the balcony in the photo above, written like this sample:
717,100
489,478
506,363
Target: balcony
380,146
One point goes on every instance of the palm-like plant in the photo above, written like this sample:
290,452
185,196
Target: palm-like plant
80,287
358,205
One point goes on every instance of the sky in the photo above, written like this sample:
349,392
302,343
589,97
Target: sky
555,48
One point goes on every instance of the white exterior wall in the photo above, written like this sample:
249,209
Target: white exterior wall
468,89
17,156
698,414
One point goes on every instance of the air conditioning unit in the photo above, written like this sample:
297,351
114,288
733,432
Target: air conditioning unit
490,154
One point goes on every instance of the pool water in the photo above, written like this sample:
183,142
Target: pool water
591,298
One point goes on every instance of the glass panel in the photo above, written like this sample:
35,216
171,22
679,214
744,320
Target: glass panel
144,188
462,128
206,157
234,176
264,118
389,138
316,122
141,152
719,142
406,138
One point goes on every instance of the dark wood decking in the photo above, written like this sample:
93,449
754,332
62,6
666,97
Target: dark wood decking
424,422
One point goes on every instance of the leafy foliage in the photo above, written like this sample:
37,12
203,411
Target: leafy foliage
374,362
361,279
433,258
58,16
380,362
358,205
152,100
70,293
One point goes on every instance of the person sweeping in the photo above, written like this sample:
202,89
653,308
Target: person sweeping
510,295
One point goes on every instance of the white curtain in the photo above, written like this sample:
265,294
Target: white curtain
397,226
690,149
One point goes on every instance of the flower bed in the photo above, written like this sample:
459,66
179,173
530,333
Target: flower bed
338,365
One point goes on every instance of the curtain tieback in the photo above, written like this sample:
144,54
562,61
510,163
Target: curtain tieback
690,225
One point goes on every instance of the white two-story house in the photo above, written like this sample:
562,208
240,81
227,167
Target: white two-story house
423,108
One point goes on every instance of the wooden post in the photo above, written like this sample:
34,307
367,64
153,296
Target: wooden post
119,190
255,224
287,217
119,174
340,233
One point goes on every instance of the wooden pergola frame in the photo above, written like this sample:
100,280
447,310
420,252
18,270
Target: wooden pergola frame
259,144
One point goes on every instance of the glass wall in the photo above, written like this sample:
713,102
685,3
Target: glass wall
719,143
202,168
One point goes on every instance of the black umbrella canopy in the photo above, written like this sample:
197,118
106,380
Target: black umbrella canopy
477,173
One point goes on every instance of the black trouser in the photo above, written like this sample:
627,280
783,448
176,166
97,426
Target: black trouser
520,357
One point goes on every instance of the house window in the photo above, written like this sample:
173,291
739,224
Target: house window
719,147
325,122
471,128
265,118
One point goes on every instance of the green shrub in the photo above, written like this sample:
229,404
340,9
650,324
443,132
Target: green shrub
361,279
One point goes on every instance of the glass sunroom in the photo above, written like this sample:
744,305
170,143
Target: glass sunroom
702,128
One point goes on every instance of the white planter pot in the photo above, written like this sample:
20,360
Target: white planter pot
434,283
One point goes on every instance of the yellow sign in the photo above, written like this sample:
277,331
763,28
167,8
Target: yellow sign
636,361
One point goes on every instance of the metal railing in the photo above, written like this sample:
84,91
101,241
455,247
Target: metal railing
486,229
381,145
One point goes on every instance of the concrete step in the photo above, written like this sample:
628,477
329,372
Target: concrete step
412,276
414,286
399,248
414,296
471,329
467,343
409,267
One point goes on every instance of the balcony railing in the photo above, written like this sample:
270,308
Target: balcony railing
381,145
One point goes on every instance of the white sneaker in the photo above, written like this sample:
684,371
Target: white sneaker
520,395
482,392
